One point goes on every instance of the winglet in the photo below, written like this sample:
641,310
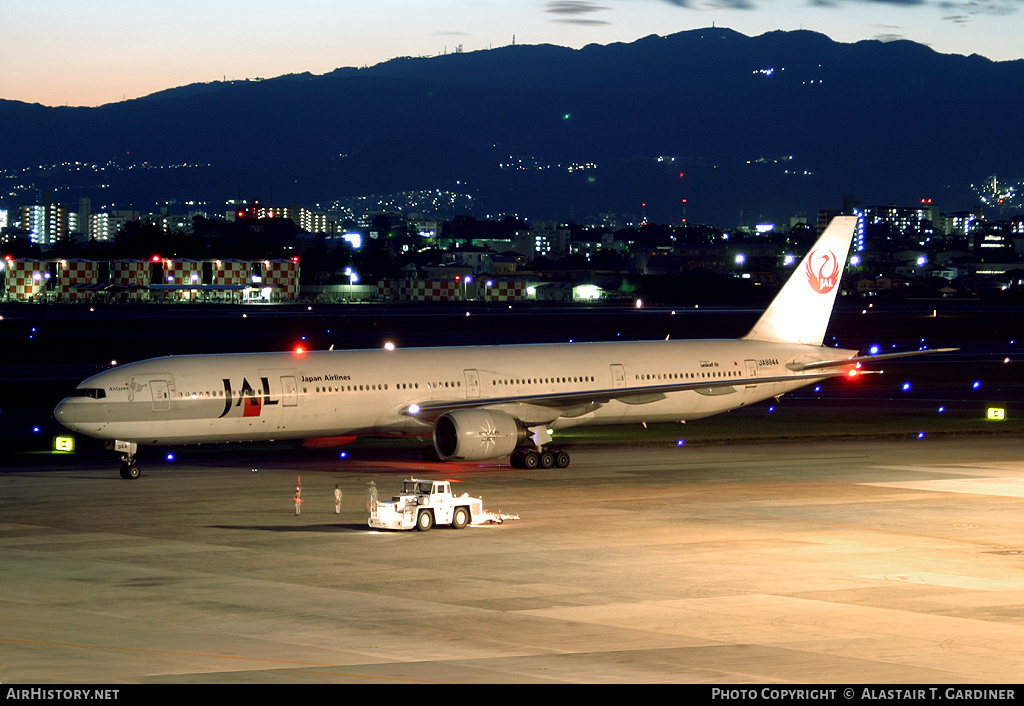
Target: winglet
801,310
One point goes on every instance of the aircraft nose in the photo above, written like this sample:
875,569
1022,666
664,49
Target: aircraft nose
65,413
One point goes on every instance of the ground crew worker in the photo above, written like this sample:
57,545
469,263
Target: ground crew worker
337,500
298,500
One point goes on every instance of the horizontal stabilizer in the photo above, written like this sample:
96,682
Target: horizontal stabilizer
864,359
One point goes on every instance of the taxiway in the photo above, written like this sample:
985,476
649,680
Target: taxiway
837,562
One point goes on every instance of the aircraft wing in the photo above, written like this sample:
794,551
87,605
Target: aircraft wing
574,403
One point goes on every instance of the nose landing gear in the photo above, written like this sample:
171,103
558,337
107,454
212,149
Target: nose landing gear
129,470
128,449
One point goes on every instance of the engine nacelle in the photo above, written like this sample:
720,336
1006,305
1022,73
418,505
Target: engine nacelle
476,435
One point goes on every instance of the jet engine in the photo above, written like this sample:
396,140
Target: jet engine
476,434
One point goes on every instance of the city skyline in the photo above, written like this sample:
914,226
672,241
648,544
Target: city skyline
65,53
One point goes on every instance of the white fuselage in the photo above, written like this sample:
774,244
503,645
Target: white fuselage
478,402
262,396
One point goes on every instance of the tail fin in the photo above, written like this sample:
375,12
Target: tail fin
801,310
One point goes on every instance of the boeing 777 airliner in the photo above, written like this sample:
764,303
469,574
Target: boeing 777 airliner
478,403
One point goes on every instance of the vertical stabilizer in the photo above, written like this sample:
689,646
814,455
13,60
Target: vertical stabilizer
801,310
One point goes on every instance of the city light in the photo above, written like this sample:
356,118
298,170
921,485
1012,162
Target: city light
347,225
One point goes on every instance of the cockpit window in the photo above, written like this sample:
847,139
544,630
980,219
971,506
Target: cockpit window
97,393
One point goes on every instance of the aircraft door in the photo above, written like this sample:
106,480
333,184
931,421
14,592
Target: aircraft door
618,376
270,396
289,392
751,368
472,384
161,395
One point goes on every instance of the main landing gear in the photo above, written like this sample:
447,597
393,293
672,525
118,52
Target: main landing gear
525,457
546,458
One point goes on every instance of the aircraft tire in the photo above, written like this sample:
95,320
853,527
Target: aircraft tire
562,459
424,521
460,517
530,460
130,471
547,459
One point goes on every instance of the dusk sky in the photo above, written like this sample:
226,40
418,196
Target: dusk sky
69,52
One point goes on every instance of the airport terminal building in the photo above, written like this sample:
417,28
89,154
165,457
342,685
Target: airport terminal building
168,281
156,280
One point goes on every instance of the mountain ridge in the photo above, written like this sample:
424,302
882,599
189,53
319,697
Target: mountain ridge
768,126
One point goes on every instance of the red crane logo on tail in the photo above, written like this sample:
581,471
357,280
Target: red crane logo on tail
822,271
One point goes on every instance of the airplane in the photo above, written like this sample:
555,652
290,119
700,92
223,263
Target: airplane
478,403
